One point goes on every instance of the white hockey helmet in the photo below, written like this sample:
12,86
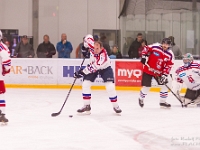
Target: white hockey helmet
187,59
1,35
89,42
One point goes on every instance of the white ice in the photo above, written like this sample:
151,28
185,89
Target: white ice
31,126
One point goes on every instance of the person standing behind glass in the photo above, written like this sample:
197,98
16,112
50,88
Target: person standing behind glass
133,49
105,44
24,49
78,50
46,49
64,47
175,49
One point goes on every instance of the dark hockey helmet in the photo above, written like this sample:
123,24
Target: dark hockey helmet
166,41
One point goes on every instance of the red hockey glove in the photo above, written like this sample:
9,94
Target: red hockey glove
4,71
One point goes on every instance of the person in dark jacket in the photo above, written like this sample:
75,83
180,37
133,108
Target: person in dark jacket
115,54
143,43
175,49
105,44
46,49
133,50
24,49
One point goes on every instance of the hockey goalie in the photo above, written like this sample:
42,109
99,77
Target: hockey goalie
189,74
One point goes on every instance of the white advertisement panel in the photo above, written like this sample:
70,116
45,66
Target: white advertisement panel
55,71
32,71
67,68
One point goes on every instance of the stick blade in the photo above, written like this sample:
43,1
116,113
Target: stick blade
55,114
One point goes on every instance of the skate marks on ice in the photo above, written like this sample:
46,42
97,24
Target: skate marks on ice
150,140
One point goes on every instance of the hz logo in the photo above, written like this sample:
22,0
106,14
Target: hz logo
68,71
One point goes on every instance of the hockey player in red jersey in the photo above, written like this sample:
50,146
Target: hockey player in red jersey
99,64
5,69
157,60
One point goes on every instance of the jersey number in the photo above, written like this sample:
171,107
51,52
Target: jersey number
191,80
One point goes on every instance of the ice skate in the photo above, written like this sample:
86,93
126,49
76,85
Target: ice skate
3,119
117,109
85,108
141,103
165,105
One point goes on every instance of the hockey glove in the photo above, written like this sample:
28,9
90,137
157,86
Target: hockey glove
4,71
79,74
143,60
162,80
85,52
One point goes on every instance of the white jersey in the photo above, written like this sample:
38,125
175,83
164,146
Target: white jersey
97,62
189,75
4,58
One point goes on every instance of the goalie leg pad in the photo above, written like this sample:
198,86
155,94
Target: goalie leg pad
191,94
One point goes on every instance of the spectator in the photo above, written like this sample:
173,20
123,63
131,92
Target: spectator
143,43
127,45
78,50
7,43
46,49
115,54
105,44
4,39
24,49
176,50
133,50
96,37
64,47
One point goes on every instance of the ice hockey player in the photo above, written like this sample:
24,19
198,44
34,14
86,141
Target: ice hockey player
189,74
99,63
158,60
5,69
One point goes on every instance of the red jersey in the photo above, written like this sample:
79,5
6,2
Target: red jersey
159,60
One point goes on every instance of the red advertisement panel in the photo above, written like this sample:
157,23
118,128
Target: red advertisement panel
128,73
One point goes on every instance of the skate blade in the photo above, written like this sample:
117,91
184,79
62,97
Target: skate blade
191,105
84,113
4,123
163,107
118,114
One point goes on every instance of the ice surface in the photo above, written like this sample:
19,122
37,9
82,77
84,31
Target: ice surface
31,126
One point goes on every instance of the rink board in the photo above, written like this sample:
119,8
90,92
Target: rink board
58,73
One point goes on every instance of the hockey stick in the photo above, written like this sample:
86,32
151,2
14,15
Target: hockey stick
58,113
174,94
167,87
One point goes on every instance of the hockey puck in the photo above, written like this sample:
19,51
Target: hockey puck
70,116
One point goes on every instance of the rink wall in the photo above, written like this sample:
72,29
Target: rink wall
58,73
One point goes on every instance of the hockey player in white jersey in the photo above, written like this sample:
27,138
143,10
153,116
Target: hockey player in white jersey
189,74
5,69
99,63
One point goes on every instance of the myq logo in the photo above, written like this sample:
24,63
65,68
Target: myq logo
68,71
155,53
